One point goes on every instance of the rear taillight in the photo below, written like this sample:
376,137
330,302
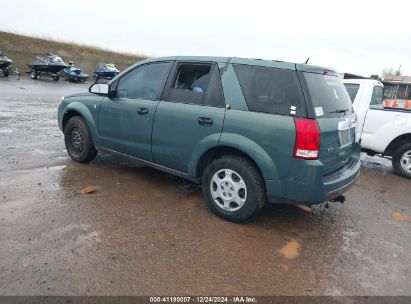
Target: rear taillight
307,138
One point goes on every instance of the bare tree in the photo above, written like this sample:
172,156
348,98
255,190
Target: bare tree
388,72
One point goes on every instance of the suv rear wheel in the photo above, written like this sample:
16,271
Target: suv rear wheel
78,140
234,188
401,160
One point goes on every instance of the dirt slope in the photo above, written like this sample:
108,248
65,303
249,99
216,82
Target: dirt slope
23,49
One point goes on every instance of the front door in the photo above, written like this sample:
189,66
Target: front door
126,120
192,114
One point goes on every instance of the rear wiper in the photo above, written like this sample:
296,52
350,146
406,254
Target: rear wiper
340,111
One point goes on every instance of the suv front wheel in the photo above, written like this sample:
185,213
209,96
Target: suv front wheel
234,188
78,140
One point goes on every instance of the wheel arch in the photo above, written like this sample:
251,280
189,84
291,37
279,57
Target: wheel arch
396,143
248,149
79,109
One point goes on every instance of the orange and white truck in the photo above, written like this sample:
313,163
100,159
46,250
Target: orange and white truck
383,126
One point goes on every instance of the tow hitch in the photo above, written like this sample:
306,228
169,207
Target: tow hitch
340,199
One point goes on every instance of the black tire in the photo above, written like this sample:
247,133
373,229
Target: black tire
255,195
56,78
78,141
33,74
400,160
6,73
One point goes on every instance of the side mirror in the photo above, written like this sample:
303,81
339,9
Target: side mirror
100,89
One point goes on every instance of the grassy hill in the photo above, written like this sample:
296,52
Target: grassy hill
23,50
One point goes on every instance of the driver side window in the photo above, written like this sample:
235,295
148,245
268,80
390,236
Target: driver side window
145,82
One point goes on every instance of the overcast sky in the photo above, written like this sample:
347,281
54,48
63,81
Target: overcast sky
361,37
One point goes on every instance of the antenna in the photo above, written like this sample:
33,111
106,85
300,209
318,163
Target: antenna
307,60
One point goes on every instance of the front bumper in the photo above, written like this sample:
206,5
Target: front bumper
60,116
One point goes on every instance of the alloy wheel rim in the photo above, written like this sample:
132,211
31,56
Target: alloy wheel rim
228,190
76,140
405,161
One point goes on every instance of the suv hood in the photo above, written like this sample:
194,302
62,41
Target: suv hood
80,94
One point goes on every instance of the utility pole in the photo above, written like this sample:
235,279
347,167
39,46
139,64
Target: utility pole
398,73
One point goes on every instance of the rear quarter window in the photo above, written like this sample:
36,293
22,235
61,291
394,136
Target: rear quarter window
352,90
271,90
328,95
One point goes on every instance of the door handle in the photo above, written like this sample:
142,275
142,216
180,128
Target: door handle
205,121
142,111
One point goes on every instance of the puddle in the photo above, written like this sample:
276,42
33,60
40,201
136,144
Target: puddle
56,168
375,162
61,157
6,131
399,217
291,250
7,114
88,238
42,152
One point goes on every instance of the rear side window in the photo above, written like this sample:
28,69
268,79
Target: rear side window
190,83
328,95
198,84
377,95
352,89
271,90
144,82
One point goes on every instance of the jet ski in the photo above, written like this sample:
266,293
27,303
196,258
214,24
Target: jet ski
50,65
5,64
74,74
106,71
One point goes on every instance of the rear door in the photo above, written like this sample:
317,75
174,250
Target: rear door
375,118
191,113
372,123
126,119
333,111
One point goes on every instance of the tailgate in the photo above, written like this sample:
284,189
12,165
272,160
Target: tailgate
332,108
337,138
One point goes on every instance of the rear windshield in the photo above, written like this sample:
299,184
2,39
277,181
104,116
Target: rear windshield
352,89
328,95
271,90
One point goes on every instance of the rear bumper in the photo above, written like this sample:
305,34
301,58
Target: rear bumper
333,194
311,186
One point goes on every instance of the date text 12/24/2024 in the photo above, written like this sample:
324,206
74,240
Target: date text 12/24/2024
203,299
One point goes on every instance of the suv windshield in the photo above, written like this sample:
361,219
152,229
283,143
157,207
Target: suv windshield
328,95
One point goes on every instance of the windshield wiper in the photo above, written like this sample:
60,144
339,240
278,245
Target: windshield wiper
340,111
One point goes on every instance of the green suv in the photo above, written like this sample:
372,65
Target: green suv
251,131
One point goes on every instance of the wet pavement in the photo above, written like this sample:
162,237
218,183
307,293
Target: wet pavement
144,232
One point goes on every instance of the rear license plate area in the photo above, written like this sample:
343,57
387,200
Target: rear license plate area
345,137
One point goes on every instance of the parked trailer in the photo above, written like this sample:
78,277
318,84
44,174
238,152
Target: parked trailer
51,65
5,64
